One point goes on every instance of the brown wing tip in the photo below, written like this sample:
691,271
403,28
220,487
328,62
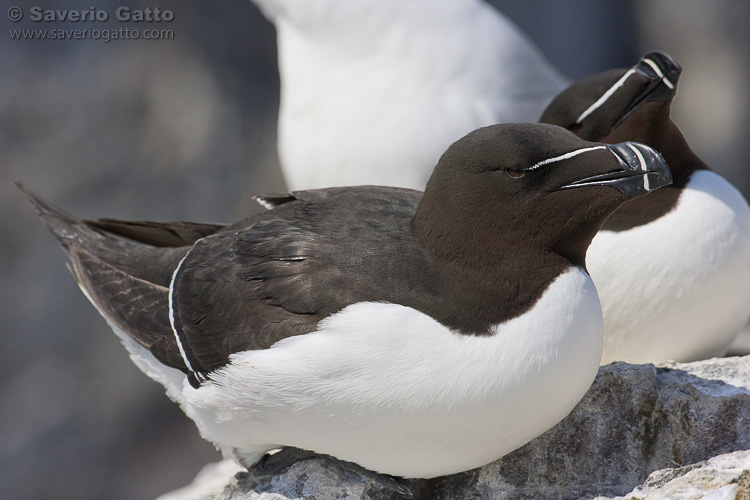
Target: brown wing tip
58,221
41,206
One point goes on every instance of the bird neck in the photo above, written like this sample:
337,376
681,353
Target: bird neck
489,247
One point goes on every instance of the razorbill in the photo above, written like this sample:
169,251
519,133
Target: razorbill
673,269
373,91
414,334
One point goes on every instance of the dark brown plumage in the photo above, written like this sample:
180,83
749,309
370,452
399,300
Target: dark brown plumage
494,228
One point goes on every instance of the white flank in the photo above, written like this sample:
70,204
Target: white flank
686,297
395,391
619,83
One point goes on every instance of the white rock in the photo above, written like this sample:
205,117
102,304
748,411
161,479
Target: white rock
211,480
726,477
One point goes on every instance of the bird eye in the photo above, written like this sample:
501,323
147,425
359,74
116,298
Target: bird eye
575,128
515,173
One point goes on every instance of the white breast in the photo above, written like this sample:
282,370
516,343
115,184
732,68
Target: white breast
679,287
393,390
378,102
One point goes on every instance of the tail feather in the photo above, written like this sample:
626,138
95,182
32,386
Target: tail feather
160,234
59,222
135,306
130,247
127,280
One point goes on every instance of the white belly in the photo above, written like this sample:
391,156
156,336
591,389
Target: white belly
679,287
389,388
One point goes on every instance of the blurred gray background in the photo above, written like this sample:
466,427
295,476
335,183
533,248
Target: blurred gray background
184,129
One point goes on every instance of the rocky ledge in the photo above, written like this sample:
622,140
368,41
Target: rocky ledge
674,431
